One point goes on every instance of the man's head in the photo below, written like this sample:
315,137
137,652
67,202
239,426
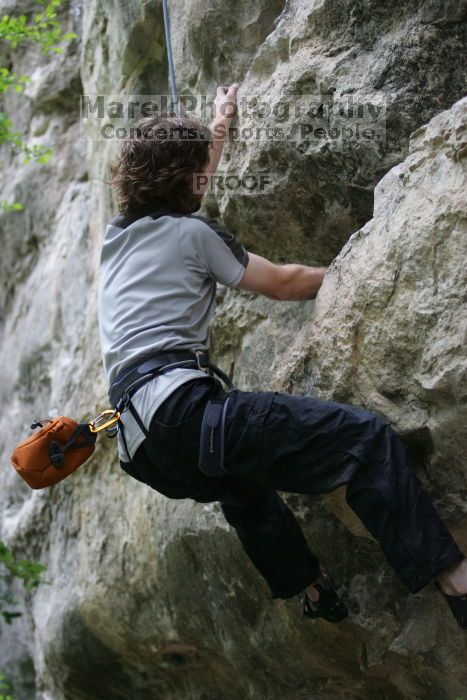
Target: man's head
156,164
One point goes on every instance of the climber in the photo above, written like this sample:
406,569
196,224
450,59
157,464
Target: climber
160,264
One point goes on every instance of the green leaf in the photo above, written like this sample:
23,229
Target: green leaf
11,206
9,616
43,159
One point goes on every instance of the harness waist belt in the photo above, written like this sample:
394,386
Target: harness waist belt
143,370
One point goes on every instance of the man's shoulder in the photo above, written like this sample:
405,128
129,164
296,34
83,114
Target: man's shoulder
208,231
202,223
153,211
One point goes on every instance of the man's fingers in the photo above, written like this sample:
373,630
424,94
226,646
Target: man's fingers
223,90
226,100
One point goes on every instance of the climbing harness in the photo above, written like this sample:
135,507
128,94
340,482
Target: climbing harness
131,379
62,444
168,43
211,453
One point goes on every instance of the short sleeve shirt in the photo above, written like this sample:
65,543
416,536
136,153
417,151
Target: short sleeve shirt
157,291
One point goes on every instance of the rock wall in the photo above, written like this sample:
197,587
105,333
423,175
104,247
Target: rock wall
154,598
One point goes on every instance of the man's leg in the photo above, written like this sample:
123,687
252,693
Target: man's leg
302,444
389,499
270,536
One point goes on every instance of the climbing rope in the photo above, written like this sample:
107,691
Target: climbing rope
168,43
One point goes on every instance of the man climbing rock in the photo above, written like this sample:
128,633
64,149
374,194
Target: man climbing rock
183,434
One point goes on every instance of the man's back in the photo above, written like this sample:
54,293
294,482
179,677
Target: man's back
157,292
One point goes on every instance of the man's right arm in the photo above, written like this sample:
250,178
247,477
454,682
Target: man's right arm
291,282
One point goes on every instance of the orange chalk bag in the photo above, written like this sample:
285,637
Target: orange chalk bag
59,447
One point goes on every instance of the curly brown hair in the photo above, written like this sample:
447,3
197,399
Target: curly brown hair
156,164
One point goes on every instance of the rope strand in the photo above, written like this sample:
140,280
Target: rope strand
168,42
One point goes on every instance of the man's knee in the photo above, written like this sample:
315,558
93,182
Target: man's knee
371,432
381,426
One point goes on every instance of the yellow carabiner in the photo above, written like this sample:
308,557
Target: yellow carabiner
102,421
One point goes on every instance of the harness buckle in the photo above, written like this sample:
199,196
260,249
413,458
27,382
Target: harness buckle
202,358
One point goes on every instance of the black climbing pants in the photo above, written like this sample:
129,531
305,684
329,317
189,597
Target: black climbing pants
298,444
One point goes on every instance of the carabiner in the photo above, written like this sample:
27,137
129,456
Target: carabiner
103,420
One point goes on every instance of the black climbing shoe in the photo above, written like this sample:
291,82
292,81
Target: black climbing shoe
328,606
458,605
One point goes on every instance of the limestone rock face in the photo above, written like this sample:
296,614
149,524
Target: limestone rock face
155,598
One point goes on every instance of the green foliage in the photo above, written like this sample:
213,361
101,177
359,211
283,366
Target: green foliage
26,570
4,686
41,153
10,206
45,30
8,80
30,573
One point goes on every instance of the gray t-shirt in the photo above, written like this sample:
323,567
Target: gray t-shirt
157,292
